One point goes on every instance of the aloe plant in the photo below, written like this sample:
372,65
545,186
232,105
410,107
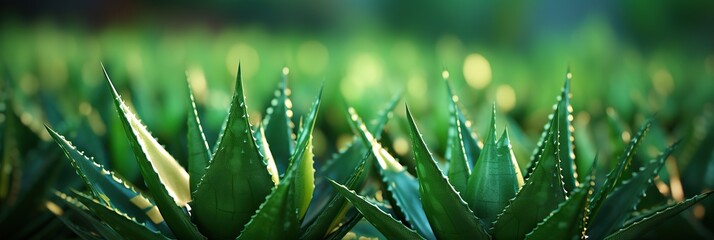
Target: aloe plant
258,182
483,194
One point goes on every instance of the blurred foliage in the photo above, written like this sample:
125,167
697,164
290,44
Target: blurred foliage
653,60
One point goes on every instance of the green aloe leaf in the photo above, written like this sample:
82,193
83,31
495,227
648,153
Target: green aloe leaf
459,170
199,154
625,198
166,179
615,174
448,214
303,157
637,227
540,195
471,144
277,218
496,177
237,179
279,127
568,219
121,223
401,186
82,216
110,189
336,209
264,148
565,138
345,229
339,166
386,224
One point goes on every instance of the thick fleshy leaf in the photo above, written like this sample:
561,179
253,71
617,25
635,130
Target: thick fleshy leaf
303,157
199,155
121,223
471,144
540,195
277,218
637,227
111,190
496,177
83,221
565,139
448,214
337,207
625,198
345,231
165,178
402,187
615,174
459,169
339,166
237,180
279,127
568,220
264,148
390,227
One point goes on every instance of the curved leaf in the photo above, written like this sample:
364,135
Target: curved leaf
471,142
390,227
337,207
338,166
264,148
199,155
448,214
237,180
625,198
305,178
120,222
565,138
496,177
279,127
459,170
615,174
540,195
401,186
110,189
166,179
636,228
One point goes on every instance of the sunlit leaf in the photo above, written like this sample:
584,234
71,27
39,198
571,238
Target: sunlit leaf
167,181
402,187
120,222
459,170
111,190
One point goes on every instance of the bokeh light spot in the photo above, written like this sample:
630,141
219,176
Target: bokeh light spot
477,71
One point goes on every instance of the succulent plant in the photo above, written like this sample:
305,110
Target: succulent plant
261,182
258,182
482,194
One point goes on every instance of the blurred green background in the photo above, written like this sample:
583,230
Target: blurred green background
629,60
